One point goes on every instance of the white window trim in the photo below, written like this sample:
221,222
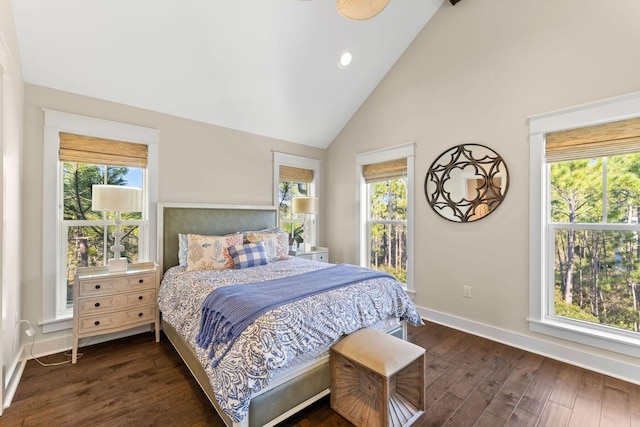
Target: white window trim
540,299
384,155
54,123
314,189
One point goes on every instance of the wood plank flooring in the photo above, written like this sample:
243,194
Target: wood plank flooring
470,381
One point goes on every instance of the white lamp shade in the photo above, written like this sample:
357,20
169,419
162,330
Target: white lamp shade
305,205
116,198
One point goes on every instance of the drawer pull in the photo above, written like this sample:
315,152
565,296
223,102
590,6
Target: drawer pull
97,286
97,304
139,314
97,322
141,281
140,297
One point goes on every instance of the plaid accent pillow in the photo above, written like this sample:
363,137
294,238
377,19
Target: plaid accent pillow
248,255
276,244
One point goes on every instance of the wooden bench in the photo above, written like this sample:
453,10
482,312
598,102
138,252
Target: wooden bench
377,380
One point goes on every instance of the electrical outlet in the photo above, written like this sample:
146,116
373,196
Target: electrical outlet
467,292
29,331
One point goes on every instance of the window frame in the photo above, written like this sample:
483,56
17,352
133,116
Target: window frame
54,318
541,260
362,236
283,159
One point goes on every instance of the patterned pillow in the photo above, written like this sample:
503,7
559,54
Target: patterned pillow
248,255
277,244
183,249
210,252
274,230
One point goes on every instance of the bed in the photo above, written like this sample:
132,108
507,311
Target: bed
272,370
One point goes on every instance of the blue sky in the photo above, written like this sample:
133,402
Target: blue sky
134,177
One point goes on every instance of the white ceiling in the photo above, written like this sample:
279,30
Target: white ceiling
268,67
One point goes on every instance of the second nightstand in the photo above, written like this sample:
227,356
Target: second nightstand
316,254
105,302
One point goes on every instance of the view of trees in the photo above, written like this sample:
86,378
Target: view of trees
597,252
289,221
388,228
86,242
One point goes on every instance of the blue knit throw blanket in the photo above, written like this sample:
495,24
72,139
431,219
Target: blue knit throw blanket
229,310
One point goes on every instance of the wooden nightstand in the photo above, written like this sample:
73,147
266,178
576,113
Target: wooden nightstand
105,302
316,254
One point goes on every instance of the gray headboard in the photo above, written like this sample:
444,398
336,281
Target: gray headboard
210,220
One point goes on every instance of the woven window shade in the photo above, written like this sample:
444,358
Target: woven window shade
98,151
386,170
607,139
291,174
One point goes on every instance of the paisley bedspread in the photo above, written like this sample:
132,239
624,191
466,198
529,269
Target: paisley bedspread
282,338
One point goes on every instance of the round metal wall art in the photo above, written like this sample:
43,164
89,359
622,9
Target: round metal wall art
466,183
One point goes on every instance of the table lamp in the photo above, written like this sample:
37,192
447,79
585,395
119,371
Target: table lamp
307,206
116,198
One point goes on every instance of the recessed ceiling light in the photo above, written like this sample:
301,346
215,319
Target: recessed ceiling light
345,59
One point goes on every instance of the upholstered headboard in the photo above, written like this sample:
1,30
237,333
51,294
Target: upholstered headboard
210,220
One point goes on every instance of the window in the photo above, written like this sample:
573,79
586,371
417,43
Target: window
386,211
387,217
295,176
293,182
585,198
73,235
86,162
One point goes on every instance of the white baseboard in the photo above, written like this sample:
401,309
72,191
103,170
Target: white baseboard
15,373
56,345
584,359
61,344
614,368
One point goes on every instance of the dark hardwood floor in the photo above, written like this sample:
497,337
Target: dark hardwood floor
470,381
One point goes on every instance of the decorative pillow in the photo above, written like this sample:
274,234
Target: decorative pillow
274,230
210,252
248,255
276,244
183,249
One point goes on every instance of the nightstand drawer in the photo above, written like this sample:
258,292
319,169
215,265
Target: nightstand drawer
95,305
118,319
317,254
321,256
115,284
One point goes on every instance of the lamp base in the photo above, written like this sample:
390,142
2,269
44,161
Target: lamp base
307,247
119,264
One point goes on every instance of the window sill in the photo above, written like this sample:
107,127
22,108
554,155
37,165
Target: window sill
411,293
622,342
55,325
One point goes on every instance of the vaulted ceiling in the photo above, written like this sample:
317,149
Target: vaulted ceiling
264,67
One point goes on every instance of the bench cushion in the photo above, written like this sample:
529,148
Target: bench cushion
379,351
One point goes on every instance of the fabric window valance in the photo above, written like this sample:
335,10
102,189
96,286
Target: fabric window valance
608,139
292,174
92,150
383,171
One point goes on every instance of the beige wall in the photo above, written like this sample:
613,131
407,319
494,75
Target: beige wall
198,163
475,74
11,95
